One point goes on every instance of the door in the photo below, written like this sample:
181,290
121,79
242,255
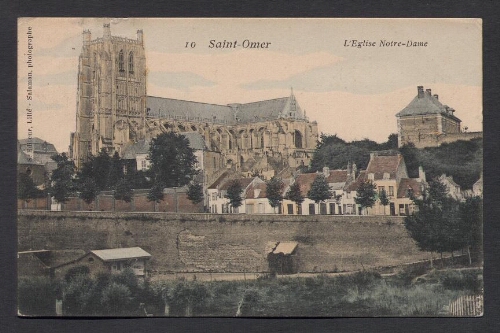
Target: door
392,208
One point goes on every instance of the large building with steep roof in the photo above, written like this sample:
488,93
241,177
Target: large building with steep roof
426,122
114,111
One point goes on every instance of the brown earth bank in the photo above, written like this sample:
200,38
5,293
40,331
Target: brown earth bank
225,243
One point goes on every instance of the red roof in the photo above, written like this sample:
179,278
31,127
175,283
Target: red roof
337,176
305,181
355,184
243,181
250,194
409,183
218,181
379,165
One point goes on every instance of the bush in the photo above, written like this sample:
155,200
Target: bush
462,280
75,271
116,299
36,296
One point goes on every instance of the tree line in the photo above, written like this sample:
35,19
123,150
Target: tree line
172,165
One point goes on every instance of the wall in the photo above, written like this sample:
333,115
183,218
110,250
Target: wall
225,243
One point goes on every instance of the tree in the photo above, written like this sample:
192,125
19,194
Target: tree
471,214
366,195
123,191
26,188
234,193
295,195
384,200
436,225
115,174
156,192
89,190
195,192
274,191
172,160
62,184
320,190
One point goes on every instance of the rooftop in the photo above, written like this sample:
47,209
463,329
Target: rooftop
425,103
121,253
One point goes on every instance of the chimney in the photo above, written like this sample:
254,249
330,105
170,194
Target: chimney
428,92
87,36
140,36
436,96
421,174
420,90
106,31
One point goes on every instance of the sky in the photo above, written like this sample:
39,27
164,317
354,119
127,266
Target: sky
354,92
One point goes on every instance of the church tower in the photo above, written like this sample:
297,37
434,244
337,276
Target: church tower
111,97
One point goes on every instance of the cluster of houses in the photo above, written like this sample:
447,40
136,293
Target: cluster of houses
386,169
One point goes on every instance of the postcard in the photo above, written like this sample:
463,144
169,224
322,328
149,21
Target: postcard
249,167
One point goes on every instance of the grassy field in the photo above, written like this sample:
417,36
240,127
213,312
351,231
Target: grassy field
363,294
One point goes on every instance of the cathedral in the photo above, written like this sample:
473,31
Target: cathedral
115,111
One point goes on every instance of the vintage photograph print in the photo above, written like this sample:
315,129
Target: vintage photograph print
250,167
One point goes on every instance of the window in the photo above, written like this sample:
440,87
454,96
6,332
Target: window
381,189
391,191
143,164
290,209
311,209
121,66
131,63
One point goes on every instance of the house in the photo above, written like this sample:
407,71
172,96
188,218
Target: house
337,181
110,260
387,170
218,203
36,170
282,258
43,262
452,188
40,150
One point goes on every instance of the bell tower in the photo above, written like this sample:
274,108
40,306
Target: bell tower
111,95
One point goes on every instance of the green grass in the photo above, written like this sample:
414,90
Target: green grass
358,295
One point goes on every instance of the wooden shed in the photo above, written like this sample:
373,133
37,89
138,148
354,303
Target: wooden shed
283,258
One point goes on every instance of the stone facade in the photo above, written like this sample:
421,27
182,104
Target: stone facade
111,98
426,122
114,110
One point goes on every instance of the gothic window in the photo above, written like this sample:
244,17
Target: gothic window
121,66
131,63
298,139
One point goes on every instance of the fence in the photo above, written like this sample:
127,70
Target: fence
467,306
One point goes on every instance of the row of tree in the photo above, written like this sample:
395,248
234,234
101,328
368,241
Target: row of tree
172,165
319,192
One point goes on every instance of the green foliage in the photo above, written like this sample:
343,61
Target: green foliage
320,190
335,153
461,159
156,192
384,200
26,188
123,191
274,191
36,296
188,298
75,271
365,194
62,184
195,192
115,299
294,194
115,174
172,160
234,193
88,190
441,223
